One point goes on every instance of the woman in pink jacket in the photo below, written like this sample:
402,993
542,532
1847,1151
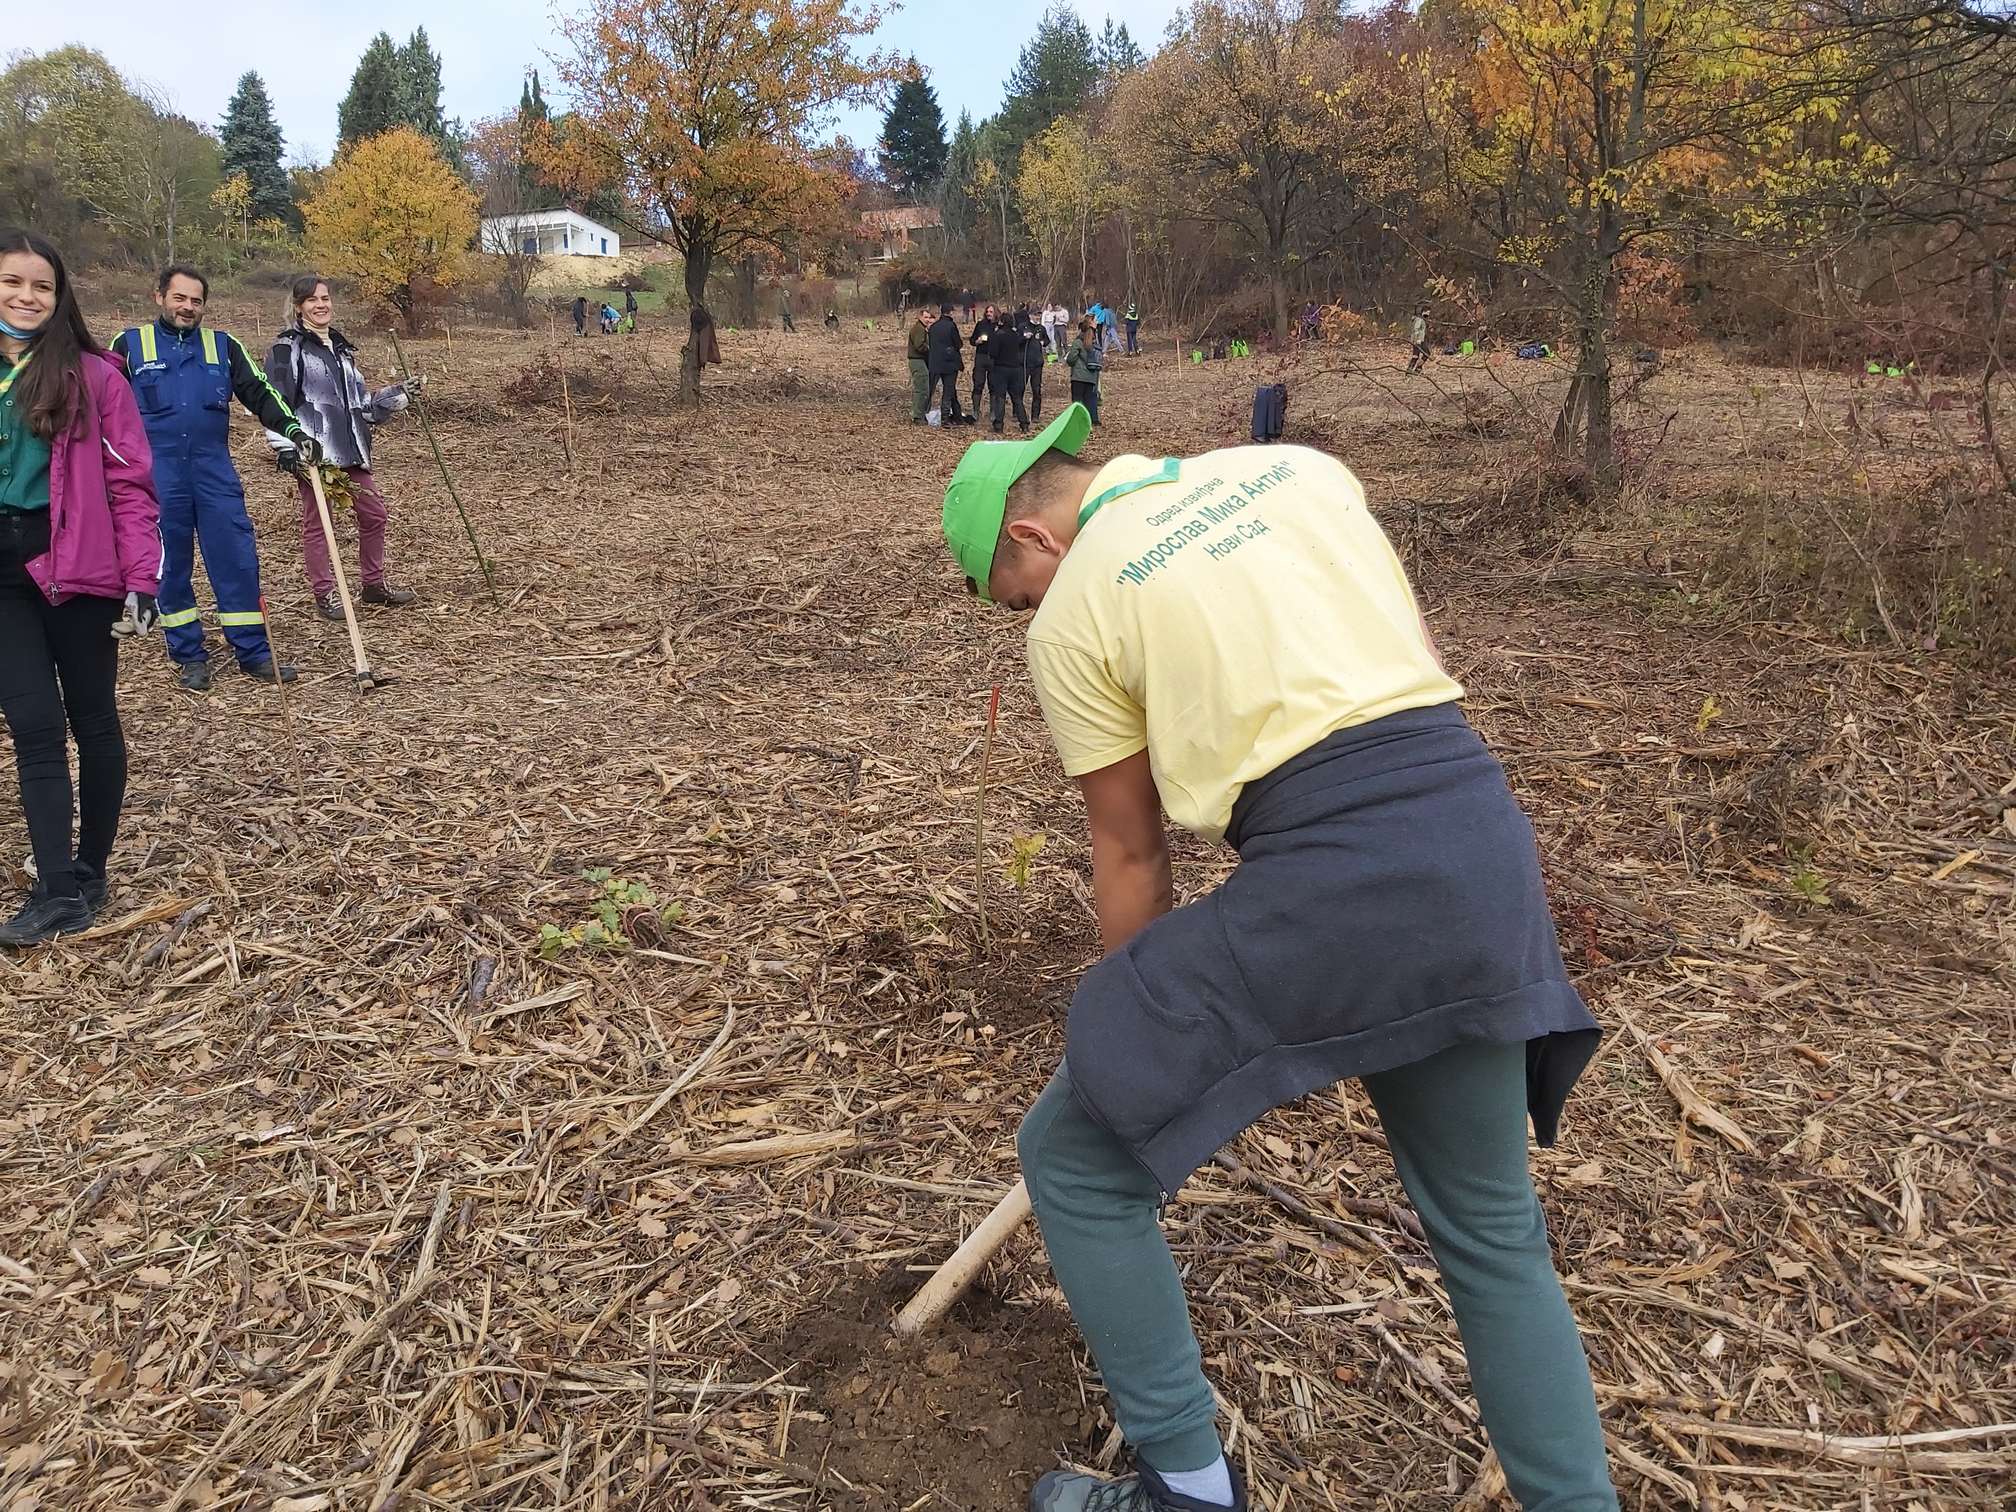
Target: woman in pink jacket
79,541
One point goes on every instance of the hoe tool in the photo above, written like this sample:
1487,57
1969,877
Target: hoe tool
367,680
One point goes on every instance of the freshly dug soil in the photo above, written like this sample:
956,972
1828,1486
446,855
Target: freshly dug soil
967,1416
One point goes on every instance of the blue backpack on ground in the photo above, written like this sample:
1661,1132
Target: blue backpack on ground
1270,411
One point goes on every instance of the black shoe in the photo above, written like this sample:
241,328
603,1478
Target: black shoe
195,677
385,593
1074,1491
93,886
263,671
327,606
45,918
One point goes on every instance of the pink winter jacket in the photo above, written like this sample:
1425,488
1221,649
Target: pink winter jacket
104,516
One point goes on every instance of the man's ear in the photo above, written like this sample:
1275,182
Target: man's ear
1033,533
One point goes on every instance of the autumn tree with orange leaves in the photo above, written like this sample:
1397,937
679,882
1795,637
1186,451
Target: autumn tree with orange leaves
705,110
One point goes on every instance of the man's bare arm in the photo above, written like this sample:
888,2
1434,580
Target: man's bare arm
1130,849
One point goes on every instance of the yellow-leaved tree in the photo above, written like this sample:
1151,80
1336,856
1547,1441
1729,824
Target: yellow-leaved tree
1576,132
395,217
1058,185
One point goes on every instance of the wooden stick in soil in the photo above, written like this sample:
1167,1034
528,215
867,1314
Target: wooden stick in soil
956,1274
420,412
980,816
286,707
362,669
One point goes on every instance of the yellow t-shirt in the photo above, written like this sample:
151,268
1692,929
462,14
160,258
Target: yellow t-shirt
1226,615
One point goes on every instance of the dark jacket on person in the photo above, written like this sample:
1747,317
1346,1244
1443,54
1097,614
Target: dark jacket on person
324,386
1004,346
1034,344
920,340
944,344
982,340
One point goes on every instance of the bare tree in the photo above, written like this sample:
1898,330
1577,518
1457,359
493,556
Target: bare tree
504,190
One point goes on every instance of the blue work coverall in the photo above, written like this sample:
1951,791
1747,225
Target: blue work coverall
184,382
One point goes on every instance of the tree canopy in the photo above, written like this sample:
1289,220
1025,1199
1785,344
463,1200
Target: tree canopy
394,216
251,145
708,115
913,146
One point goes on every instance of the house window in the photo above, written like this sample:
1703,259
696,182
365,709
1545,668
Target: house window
605,246
532,245
563,238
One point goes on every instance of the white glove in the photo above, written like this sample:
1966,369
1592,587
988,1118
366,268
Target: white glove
141,613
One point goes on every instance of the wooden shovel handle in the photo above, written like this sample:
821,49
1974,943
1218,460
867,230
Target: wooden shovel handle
956,1274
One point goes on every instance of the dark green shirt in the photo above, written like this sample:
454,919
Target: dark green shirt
24,456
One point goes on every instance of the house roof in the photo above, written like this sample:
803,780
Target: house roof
546,218
902,218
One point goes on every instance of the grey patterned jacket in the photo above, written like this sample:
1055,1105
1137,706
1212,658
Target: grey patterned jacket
326,389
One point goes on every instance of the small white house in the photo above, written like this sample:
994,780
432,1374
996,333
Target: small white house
550,233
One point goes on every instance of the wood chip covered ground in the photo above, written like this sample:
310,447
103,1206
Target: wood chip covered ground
321,1189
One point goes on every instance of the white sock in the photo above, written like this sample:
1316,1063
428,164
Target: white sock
1211,1484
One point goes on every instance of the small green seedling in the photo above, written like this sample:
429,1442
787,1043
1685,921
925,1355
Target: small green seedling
1022,853
627,913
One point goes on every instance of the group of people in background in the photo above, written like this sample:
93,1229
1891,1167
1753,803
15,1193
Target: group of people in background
608,319
115,468
1010,351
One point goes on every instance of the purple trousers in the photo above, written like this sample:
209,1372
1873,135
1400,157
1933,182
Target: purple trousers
370,513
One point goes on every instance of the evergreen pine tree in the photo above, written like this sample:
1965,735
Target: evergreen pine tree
376,99
533,112
420,86
251,144
913,138
1055,75
1117,52
962,161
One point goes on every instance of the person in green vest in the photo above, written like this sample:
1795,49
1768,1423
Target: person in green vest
1133,319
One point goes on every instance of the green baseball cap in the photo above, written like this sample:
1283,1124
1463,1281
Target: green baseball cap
976,500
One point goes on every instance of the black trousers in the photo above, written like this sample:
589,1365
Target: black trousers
1035,394
59,666
948,405
1007,384
983,380
1086,394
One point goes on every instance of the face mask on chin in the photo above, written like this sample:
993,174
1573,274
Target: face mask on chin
7,329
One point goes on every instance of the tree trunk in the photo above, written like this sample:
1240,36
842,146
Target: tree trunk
1593,375
745,291
700,342
1279,281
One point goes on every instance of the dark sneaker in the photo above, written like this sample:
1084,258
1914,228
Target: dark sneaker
1076,1491
385,593
195,677
327,606
93,886
264,670
45,918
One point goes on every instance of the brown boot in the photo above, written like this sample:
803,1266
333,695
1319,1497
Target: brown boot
385,593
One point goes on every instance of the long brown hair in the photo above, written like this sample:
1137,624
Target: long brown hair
300,292
53,388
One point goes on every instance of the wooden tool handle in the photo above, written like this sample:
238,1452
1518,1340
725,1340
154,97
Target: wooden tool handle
956,1274
363,668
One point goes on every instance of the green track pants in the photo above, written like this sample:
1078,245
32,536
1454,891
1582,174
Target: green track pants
1456,1124
920,387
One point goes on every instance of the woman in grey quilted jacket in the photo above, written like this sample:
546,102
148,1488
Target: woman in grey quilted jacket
315,368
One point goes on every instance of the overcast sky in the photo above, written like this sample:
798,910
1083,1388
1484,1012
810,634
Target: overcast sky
305,51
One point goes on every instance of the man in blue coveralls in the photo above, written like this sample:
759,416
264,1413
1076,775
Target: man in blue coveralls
184,375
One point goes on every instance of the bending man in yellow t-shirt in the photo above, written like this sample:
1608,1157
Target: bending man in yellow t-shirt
1231,639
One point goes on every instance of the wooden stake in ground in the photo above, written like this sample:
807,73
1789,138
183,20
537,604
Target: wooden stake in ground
366,680
980,816
956,1274
420,411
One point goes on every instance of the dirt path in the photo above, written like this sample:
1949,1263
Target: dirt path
324,1190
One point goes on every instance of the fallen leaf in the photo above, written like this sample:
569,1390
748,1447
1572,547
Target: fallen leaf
154,1275
728,1291
652,1228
